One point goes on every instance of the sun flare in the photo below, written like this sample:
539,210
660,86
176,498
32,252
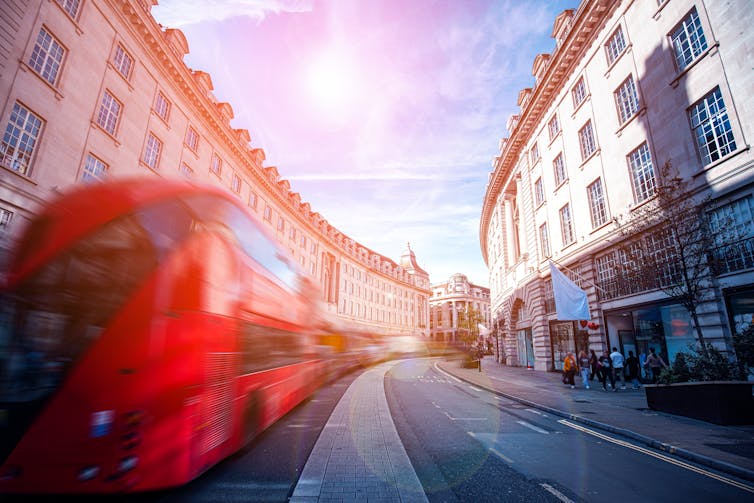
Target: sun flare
332,84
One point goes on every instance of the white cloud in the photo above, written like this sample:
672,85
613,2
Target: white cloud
175,13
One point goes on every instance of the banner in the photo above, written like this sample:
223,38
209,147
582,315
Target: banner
570,300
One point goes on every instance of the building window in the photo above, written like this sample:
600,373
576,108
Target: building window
253,200
292,233
688,40
626,99
5,217
281,224
313,249
186,170
539,192
558,168
216,165
162,106
268,213
235,184
123,62
615,46
192,139
534,154
642,173
553,127
597,205
709,120
70,6
544,240
578,92
152,152
586,141
20,139
303,241
47,56
109,112
566,225
94,170
733,228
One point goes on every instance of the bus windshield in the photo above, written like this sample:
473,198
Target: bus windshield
52,317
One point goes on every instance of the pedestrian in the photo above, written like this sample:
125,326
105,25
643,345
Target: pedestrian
655,364
643,366
584,367
593,364
618,361
569,369
632,365
606,371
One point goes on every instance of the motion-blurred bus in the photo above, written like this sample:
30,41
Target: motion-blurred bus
148,329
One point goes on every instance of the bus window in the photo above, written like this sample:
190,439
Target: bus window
267,347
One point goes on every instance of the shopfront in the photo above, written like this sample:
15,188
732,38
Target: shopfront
566,338
665,327
740,302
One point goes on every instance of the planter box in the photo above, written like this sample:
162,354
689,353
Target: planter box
720,402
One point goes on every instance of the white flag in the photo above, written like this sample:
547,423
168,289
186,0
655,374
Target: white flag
570,300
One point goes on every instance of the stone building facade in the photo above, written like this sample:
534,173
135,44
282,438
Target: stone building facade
451,304
630,87
97,89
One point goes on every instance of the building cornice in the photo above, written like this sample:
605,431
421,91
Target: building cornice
585,26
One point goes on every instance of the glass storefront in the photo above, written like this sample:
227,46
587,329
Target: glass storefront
741,309
665,327
564,339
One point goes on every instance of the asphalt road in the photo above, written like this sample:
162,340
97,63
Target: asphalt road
467,444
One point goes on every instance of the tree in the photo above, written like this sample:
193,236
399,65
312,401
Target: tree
468,325
667,243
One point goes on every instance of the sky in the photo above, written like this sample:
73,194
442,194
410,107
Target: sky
385,115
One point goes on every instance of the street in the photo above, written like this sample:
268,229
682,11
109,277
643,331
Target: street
469,445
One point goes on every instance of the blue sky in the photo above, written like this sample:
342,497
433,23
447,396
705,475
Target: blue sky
385,115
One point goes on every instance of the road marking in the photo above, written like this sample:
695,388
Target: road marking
659,456
492,449
533,411
435,404
475,389
532,427
562,497
465,418
443,372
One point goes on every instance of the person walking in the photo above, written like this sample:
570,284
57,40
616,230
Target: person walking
632,365
606,370
569,369
584,367
593,364
618,361
655,364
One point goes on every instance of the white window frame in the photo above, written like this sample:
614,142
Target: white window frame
47,56
19,143
711,126
558,169
688,40
186,170
626,99
152,152
95,169
587,142
615,45
578,92
192,139
544,241
123,62
71,7
162,106
553,126
216,165
235,183
597,203
108,114
642,173
6,217
567,233
539,192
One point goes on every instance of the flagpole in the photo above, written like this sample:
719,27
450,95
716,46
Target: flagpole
579,275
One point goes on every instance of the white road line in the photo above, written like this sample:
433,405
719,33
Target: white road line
562,497
501,455
435,404
532,427
465,418
659,456
533,411
443,372
475,389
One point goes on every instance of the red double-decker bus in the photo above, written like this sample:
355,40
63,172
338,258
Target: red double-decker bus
148,329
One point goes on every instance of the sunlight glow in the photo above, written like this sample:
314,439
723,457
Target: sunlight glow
332,84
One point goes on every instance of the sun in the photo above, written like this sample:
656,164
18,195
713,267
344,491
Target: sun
332,84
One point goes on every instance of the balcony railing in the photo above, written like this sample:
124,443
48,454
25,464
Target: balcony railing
734,257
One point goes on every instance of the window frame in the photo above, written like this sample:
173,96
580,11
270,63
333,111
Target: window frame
598,210
191,139
626,100
700,41
216,165
151,156
717,119
95,171
553,127
639,173
565,216
558,169
544,241
122,61
613,49
236,183
539,192
42,60
70,7
19,132
161,97
587,143
103,120
579,92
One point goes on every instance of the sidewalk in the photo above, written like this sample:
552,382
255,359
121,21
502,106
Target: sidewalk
359,455
726,448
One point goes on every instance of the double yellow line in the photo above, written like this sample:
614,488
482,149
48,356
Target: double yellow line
657,455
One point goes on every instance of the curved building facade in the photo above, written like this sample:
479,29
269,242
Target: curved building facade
457,307
631,87
97,89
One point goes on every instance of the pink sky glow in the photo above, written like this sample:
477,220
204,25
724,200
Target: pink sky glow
385,115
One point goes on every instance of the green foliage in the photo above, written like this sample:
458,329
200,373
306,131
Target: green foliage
694,366
743,344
